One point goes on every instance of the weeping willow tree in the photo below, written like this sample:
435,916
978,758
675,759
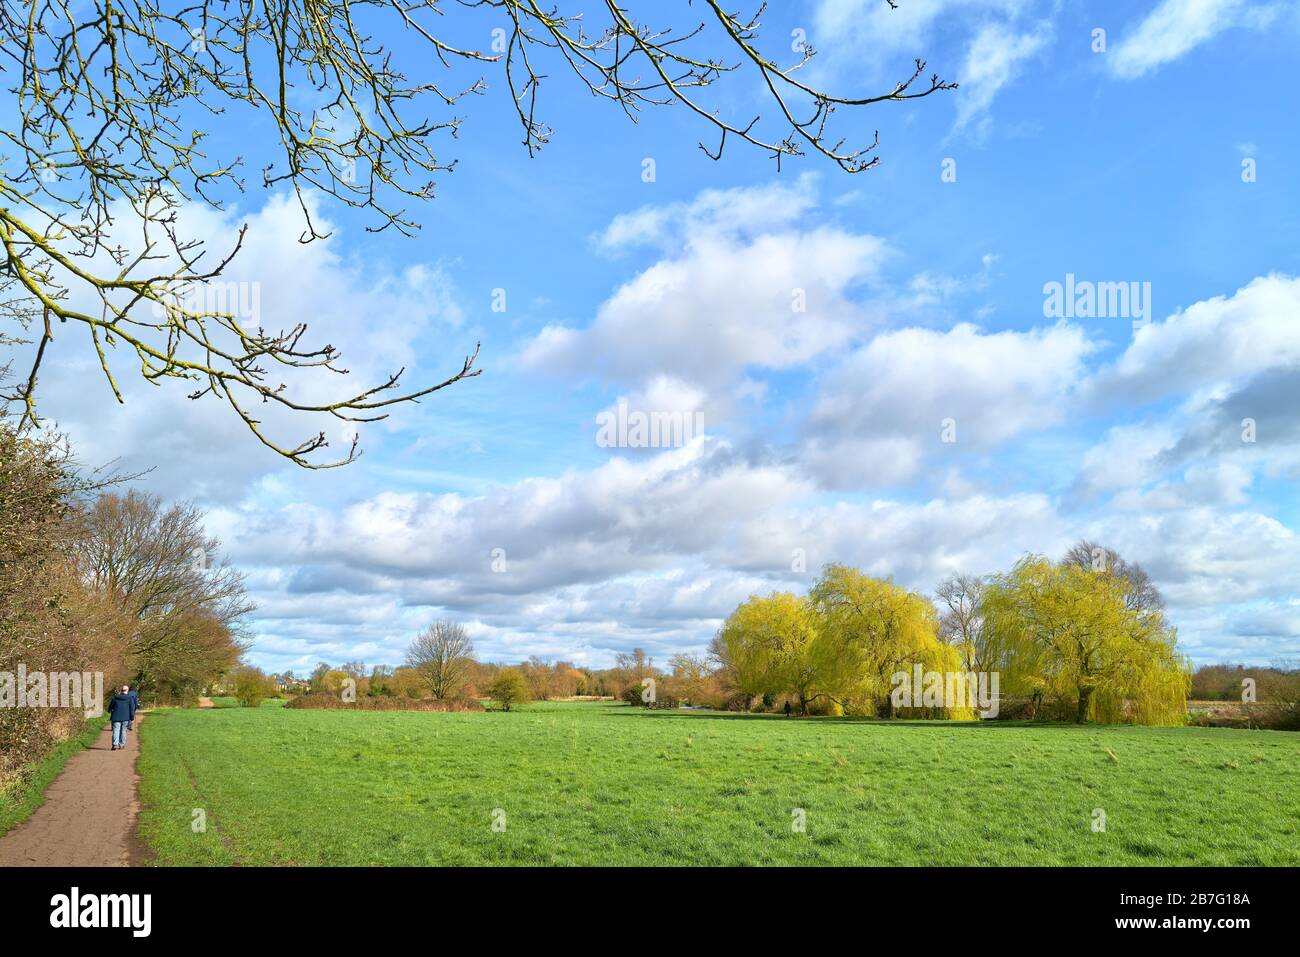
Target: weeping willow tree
840,646
773,643
1073,636
874,629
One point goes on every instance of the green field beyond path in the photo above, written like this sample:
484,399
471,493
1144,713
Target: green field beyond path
599,784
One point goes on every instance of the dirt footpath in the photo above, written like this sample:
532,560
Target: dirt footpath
88,818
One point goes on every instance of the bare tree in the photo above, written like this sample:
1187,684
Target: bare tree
441,654
1141,595
106,144
161,566
961,620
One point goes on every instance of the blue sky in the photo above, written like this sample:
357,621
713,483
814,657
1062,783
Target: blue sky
822,428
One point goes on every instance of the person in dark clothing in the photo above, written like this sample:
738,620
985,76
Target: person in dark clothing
120,712
787,709
135,706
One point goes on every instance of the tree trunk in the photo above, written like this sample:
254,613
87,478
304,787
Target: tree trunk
1085,695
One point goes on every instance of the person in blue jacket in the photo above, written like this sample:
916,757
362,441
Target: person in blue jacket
135,706
120,712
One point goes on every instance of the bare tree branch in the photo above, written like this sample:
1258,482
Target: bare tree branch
110,101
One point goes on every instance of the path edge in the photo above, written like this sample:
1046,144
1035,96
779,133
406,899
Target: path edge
88,735
139,853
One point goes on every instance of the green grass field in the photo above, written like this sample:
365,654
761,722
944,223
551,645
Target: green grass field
594,784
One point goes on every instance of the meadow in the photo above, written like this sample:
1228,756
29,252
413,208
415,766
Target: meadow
609,784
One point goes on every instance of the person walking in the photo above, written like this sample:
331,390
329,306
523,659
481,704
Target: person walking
120,713
135,706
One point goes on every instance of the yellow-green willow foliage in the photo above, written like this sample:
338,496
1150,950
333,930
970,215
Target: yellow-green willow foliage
1071,637
772,642
838,649
877,629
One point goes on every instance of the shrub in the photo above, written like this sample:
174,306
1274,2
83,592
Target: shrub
1281,716
251,685
1279,700
510,688
665,696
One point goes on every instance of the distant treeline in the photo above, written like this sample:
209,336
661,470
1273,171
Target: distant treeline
1230,682
1084,638
545,680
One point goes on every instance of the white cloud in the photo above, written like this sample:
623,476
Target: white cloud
995,58
1213,484
1202,556
732,212
654,552
1231,366
1128,457
742,287
1176,27
1211,343
885,405
621,517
